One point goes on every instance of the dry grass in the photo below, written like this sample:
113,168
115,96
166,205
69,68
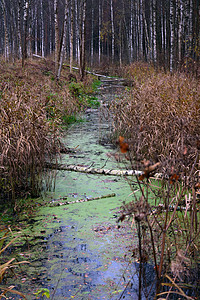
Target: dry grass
9,265
32,107
159,122
160,119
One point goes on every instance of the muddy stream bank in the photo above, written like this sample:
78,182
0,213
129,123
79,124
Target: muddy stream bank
78,251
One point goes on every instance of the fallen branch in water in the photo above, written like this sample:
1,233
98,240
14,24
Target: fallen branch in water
77,168
56,202
77,69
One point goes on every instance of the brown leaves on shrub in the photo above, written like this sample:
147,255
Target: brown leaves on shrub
173,178
149,170
124,147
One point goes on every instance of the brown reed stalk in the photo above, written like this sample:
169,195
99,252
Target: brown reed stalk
30,119
159,118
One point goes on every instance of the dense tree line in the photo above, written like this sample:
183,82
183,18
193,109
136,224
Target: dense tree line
165,32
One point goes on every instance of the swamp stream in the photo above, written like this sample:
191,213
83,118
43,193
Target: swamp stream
79,251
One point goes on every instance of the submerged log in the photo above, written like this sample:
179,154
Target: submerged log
59,202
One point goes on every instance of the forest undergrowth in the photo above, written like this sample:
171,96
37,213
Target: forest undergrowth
34,107
158,125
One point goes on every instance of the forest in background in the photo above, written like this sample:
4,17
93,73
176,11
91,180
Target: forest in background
165,32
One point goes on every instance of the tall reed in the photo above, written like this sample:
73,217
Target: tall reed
159,122
160,119
32,107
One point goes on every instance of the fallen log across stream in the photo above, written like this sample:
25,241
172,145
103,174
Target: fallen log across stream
59,202
83,169
102,77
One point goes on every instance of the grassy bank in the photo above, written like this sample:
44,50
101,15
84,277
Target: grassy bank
159,117
34,106
158,125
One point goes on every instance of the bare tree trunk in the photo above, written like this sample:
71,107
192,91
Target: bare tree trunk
82,43
120,43
6,42
99,32
50,29
42,28
147,46
154,33
131,33
25,35
63,41
180,28
29,50
36,27
13,32
140,13
151,31
72,36
77,45
112,30
19,46
126,34
137,37
163,34
196,32
92,35
172,35
57,43
135,32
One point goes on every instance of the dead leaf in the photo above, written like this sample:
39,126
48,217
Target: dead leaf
124,147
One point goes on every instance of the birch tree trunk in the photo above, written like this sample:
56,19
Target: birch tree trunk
147,46
99,32
6,41
63,41
172,35
50,29
92,36
25,34
36,28
180,28
57,43
135,31
12,32
151,31
77,33
131,32
120,43
137,17
140,13
42,28
112,30
126,35
82,42
72,36
19,38
154,33
196,32
163,34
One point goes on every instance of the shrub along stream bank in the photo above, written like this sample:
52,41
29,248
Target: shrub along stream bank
34,107
158,126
